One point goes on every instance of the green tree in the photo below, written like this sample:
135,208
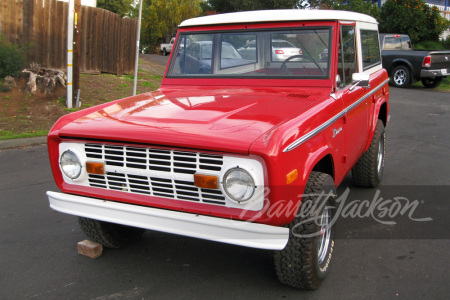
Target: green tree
160,18
360,6
120,7
413,17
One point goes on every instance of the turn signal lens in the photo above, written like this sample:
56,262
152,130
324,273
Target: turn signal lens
206,181
95,168
291,176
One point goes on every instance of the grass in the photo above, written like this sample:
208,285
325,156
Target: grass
443,87
7,135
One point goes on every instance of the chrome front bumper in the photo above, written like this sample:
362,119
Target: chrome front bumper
198,226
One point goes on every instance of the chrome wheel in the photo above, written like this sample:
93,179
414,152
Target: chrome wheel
380,157
400,77
325,235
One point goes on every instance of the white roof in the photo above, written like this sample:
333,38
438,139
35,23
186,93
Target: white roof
278,15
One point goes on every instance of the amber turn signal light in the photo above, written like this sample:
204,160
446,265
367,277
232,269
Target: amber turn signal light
291,176
95,168
206,181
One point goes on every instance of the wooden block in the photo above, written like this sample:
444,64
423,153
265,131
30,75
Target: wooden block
90,249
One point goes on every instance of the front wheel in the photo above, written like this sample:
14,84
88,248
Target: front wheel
401,76
305,260
431,82
109,235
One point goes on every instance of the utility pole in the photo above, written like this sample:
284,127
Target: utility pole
70,16
76,50
137,48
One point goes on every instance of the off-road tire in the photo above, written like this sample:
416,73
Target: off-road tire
431,83
109,235
401,76
369,169
298,264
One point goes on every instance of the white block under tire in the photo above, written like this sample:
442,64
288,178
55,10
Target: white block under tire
305,260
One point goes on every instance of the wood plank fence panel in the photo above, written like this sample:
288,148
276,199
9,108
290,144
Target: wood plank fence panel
108,43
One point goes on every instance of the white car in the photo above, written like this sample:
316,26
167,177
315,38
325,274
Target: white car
282,50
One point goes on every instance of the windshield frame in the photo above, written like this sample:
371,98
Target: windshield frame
235,80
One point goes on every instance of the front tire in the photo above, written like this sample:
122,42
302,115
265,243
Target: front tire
369,169
304,262
109,235
431,82
401,76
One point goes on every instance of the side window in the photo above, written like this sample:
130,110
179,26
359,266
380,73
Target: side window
284,46
238,50
194,55
370,48
406,43
347,63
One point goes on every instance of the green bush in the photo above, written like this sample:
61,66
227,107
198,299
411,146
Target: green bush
446,43
12,58
429,45
413,17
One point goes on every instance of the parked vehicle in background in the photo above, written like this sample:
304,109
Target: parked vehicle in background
240,149
165,49
405,65
282,50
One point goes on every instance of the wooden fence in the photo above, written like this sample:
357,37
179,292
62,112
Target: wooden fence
108,43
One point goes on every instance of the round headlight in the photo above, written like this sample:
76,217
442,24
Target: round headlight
70,164
238,184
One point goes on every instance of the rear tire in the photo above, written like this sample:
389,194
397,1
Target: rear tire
431,82
109,235
369,169
401,76
304,262
165,52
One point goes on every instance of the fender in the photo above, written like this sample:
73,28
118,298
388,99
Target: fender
400,61
376,113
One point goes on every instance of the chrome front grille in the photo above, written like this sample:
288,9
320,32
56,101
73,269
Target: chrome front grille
154,172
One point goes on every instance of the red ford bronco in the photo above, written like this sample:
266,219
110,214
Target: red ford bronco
259,117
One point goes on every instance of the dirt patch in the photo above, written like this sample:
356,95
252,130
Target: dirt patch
22,112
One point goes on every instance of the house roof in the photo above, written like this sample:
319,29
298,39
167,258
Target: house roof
281,15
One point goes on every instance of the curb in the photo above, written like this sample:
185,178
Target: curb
24,142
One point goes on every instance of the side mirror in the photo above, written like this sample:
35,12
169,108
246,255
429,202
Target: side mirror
360,79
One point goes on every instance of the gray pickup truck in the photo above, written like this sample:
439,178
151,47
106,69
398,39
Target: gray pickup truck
405,65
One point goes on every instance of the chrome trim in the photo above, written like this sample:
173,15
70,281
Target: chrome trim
320,128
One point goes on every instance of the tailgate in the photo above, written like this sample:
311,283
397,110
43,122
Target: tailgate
440,60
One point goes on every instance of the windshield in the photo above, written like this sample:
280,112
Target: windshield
302,53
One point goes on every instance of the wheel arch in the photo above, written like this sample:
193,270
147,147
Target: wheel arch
400,62
325,165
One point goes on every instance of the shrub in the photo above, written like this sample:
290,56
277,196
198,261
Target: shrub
429,45
12,58
413,17
446,43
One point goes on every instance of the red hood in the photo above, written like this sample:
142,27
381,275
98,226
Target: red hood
215,119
